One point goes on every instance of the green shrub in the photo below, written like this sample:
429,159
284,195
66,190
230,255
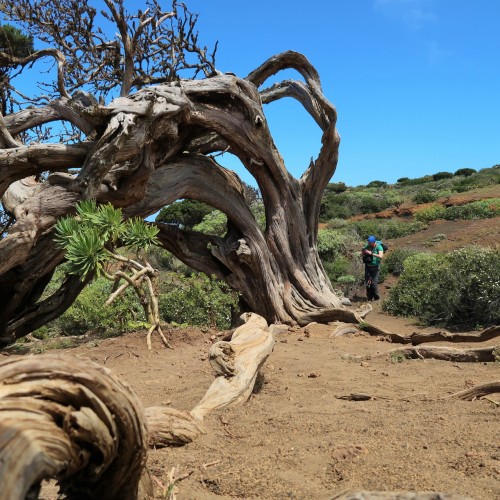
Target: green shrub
394,260
376,184
89,314
386,229
431,213
442,175
466,172
336,268
331,243
198,300
426,196
402,180
336,187
460,289
482,209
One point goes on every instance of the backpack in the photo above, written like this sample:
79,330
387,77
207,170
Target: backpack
367,259
385,247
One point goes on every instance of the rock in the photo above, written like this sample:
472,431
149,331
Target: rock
346,302
314,375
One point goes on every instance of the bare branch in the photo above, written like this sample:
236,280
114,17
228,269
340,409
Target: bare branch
8,60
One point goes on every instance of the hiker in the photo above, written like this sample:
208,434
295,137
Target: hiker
372,254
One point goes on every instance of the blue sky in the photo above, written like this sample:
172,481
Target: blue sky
416,82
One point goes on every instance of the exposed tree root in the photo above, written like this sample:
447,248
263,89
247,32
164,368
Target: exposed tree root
480,354
487,334
476,392
418,338
73,420
236,364
392,495
329,315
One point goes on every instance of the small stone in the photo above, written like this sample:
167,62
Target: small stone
300,339
213,338
314,375
365,364
167,402
301,374
284,341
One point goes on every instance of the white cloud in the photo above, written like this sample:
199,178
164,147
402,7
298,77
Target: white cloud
415,14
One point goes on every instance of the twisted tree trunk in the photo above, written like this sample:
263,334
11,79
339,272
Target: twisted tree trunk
154,147
65,418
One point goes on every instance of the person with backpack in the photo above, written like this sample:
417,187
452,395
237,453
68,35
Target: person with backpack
372,254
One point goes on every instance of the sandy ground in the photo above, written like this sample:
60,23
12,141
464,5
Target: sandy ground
296,439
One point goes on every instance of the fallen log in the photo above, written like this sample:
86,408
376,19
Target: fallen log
480,354
236,364
69,419
483,336
402,495
477,392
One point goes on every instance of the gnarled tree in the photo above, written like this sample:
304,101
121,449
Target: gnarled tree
152,145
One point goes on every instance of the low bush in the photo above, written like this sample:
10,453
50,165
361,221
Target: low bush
466,172
428,214
89,314
394,260
459,290
386,229
482,209
197,300
442,175
426,196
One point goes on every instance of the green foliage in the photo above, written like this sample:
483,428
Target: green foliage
466,172
138,235
426,196
336,267
482,209
198,300
88,314
348,283
402,180
331,243
385,229
376,184
85,252
185,214
397,357
394,260
214,223
335,187
430,213
442,175
460,289
14,42
87,236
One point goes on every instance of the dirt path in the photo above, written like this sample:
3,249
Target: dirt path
295,439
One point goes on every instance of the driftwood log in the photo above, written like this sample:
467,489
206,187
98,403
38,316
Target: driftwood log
480,354
402,495
477,392
236,365
69,419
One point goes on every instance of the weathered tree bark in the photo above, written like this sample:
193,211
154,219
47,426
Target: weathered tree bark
153,147
401,495
69,419
480,354
236,365
476,392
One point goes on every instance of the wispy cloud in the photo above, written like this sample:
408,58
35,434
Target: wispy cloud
415,14
436,54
